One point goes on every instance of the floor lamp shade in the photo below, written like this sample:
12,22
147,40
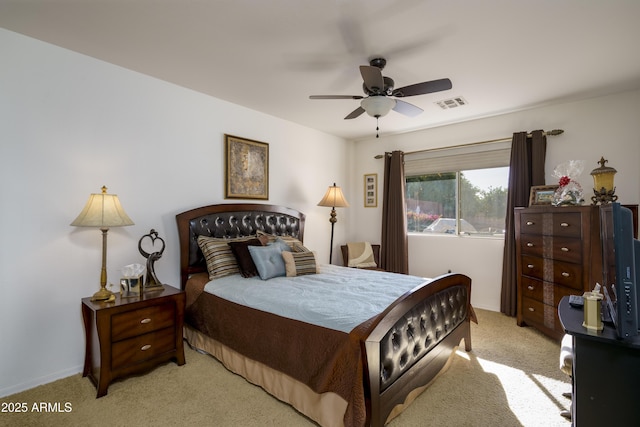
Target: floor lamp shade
333,199
103,211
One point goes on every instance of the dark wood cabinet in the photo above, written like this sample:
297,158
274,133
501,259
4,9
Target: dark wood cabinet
559,253
131,335
606,378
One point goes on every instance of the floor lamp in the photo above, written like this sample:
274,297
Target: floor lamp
103,210
333,199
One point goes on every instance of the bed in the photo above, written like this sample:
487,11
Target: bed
365,375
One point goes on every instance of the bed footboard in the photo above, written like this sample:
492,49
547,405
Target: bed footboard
413,340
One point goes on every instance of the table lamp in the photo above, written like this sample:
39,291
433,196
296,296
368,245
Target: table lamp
104,211
603,188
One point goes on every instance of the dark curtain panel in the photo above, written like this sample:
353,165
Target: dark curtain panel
394,244
525,170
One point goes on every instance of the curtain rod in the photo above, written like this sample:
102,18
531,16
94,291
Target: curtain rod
490,141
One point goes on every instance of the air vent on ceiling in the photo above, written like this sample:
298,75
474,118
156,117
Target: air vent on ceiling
455,102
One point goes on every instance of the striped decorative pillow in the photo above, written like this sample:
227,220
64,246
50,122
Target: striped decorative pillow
300,263
217,253
294,244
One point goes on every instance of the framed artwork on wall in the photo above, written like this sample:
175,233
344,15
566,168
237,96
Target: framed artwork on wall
246,168
540,195
371,190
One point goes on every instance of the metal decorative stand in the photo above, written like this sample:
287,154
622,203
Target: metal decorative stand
151,282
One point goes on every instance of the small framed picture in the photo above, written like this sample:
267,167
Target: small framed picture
371,190
542,194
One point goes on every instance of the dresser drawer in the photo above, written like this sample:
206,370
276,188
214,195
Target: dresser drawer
138,322
545,292
558,272
561,248
533,310
544,315
142,347
567,224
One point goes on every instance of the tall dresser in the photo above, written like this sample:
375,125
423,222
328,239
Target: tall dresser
559,253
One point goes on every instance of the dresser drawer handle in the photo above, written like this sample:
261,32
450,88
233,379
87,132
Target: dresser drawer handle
530,265
529,244
531,309
563,249
530,222
530,287
565,274
145,347
145,320
564,224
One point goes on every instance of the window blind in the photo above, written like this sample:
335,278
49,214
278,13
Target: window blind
456,159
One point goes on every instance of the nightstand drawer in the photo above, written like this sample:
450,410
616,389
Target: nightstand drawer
138,322
142,347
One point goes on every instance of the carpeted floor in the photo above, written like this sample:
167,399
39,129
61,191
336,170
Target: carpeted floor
511,378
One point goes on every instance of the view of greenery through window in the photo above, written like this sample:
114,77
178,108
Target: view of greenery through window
433,205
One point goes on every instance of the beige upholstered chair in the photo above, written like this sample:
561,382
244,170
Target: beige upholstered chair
376,256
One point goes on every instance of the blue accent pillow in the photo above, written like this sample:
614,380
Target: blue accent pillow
268,260
281,244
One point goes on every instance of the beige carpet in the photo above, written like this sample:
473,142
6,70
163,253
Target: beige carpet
511,378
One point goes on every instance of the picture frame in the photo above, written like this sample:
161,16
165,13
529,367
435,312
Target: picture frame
542,195
246,168
371,190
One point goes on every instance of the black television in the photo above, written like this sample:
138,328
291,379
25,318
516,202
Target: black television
621,262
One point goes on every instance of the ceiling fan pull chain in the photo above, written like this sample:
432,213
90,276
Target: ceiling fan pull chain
377,128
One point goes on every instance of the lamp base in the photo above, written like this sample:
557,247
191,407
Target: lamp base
603,196
104,295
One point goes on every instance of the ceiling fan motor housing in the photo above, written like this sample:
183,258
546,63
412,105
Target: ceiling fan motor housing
387,90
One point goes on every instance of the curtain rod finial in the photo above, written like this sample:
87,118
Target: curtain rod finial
556,132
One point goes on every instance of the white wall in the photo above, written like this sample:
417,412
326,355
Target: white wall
68,125
605,126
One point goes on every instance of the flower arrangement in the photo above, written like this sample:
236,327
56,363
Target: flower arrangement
569,191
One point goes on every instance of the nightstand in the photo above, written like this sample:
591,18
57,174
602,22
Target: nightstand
132,335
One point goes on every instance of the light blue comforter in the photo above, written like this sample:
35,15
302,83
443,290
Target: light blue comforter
338,298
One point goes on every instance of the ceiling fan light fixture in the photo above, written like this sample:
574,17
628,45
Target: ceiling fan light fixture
377,106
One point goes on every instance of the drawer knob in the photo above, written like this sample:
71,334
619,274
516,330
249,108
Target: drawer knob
564,224
530,287
563,249
529,244
145,320
145,347
530,265
565,274
530,222
531,309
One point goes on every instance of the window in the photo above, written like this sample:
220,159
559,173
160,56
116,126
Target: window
456,191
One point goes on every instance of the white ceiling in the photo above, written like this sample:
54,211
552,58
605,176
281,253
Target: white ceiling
270,55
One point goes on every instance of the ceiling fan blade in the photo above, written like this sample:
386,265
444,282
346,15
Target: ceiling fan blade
423,88
355,113
407,109
372,77
336,97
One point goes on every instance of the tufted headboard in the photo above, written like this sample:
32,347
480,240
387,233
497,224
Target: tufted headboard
230,221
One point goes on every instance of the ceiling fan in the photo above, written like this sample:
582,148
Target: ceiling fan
379,91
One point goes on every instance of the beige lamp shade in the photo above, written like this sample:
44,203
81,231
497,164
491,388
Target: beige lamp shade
334,198
102,210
